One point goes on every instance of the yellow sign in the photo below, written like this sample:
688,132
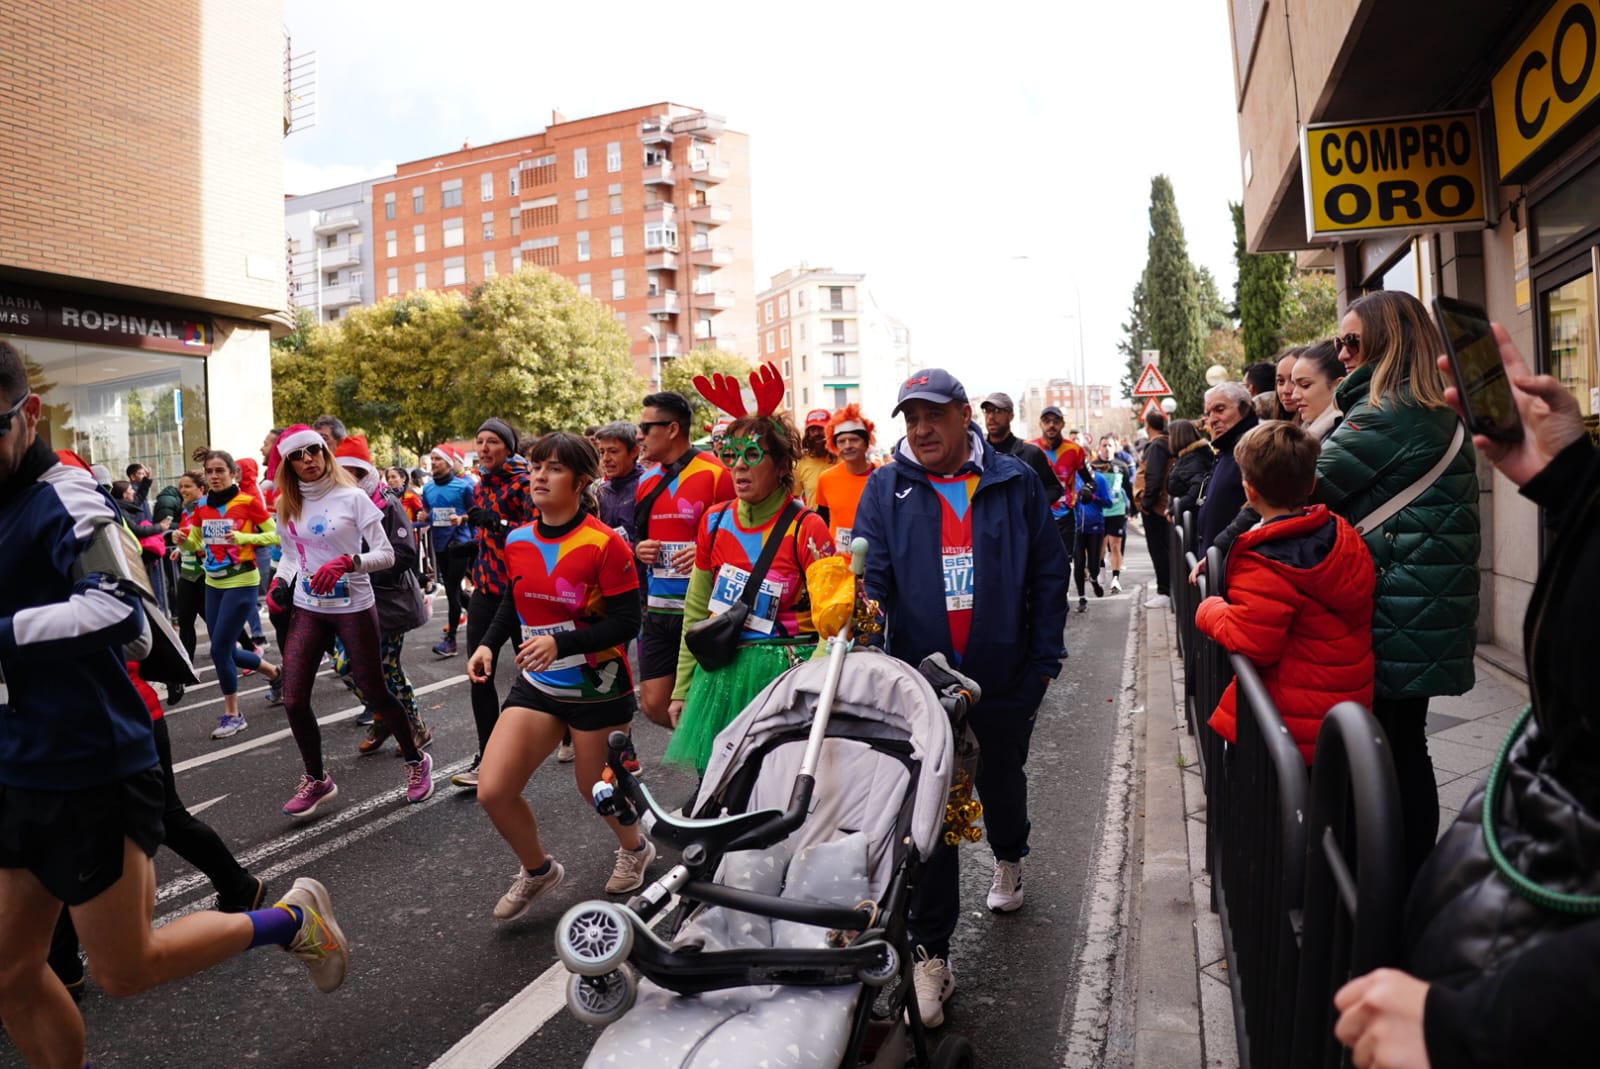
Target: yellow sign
1421,173
1551,77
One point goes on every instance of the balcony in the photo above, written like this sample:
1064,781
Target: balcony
711,214
339,256
655,132
847,368
660,211
710,170
659,174
663,259
711,255
662,304
708,297
340,296
336,219
702,124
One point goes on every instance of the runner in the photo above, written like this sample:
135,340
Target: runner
1070,461
189,592
852,436
445,497
1091,523
572,590
226,527
618,445
499,505
1119,478
326,520
82,798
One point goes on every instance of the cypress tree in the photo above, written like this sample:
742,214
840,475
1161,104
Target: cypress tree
1261,294
1172,301
1135,340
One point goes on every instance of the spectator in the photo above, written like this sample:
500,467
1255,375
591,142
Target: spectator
332,430
1299,598
964,558
817,457
1258,378
1533,1005
1317,373
1230,415
1193,459
1287,409
997,414
1150,493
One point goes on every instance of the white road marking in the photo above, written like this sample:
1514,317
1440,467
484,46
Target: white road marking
188,706
203,806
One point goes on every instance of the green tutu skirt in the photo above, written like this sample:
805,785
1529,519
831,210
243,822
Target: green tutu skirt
715,698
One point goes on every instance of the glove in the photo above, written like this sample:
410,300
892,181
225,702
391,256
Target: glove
323,582
482,517
280,599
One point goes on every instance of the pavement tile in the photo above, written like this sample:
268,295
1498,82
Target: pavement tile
1489,732
1438,722
1457,757
1216,1024
1454,794
1441,777
1447,817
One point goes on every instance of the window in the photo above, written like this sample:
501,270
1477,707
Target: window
330,241
615,194
582,197
542,170
783,337
580,163
805,393
512,180
802,362
516,260
455,271
488,226
488,266
839,364
838,329
451,193
421,277
583,246
486,187
585,284
393,280
516,223
660,236
419,239
416,201
802,332
614,157
772,343
835,298
616,241
454,232
388,205
618,289
783,306
391,244
766,310
786,369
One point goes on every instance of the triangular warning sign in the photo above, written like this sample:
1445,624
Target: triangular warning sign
1151,384
1150,405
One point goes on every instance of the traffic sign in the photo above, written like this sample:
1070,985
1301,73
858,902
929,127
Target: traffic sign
1150,405
1151,384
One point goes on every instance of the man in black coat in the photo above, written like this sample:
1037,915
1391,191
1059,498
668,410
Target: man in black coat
1229,413
1151,483
997,413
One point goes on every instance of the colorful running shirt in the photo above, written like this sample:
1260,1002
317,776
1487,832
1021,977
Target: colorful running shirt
675,519
561,584
1068,459
210,532
839,491
729,550
956,559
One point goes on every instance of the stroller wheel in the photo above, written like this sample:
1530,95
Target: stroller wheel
887,968
599,1000
953,1052
593,938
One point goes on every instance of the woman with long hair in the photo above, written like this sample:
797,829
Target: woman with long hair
572,598
332,537
761,451
1397,428
1193,459
1316,374
227,526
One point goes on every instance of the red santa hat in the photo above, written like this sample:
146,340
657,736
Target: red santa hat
292,439
353,453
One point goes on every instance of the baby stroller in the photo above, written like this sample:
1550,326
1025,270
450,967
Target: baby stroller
788,946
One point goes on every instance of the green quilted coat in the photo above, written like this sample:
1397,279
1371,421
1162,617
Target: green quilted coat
1425,615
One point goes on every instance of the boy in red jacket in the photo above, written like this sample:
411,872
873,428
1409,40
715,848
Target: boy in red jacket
1299,591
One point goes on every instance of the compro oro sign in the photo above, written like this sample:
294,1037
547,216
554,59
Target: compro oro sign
1551,77
1418,173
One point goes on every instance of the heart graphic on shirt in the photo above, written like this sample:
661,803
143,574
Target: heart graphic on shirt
691,510
570,594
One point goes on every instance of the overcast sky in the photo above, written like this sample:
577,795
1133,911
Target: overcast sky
983,164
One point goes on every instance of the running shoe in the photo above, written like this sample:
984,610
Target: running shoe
1116,584
174,693
366,718
1099,591
1083,604
422,734
373,741
1005,890
469,778
419,779
446,648
934,984
309,795
245,899
628,873
275,691
524,889
566,753
1160,601
319,943
229,726
259,640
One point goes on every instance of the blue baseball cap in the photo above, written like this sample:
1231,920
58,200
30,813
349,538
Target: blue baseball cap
935,384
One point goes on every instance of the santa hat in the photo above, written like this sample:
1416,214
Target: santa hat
446,454
353,453
849,420
292,439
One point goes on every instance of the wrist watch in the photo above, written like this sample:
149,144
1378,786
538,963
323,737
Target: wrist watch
355,562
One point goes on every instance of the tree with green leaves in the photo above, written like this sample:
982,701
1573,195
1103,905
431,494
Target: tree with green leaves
1261,294
1172,309
1135,340
1311,308
706,361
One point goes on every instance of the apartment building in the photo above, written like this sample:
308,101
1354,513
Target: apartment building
141,248
646,209
1441,148
1097,409
329,261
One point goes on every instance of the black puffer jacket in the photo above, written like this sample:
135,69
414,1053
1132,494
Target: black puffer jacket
1188,476
1225,492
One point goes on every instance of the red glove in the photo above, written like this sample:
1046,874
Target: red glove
279,598
323,582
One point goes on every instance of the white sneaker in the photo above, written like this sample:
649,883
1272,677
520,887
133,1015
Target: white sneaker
934,983
524,889
1116,584
566,753
628,873
1005,891
1160,601
318,942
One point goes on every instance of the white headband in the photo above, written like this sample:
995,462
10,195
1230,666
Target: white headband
850,427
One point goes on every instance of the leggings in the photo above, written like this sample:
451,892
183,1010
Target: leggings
394,676
1091,545
226,609
481,608
309,633
191,601
453,567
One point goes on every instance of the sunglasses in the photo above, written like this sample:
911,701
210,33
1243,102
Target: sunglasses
732,450
11,413
1351,342
303,455
645,425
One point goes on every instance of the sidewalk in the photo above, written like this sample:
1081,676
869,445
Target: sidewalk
1183,1014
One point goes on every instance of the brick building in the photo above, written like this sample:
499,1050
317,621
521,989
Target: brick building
646,209
141,248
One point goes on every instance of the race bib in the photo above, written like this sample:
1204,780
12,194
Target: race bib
663,569
623,533
337,598
216,532
958,581
574,661
728,588
841,541
441,516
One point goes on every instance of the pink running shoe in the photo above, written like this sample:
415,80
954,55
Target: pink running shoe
419,779
309,795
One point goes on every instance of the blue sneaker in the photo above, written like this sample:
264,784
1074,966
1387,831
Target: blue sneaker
275,691
229,726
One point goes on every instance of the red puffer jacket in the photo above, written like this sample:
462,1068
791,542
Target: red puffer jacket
1299,606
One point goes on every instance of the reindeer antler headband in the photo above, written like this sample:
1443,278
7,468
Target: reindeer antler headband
723,391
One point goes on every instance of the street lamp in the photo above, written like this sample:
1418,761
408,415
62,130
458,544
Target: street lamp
1216,375
655,340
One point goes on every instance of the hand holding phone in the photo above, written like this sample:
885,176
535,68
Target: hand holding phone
1481,381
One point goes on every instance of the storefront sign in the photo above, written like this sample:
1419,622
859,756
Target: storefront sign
70,317
1418,173
1552,77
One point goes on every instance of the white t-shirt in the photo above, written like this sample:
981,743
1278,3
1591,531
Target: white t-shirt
334,521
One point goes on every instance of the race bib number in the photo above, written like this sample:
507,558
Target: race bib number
337,598
623,533
532,630
441,516
728,588
958,581
663,569
216,532
842,539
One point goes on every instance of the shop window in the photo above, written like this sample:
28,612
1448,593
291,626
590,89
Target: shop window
1569,318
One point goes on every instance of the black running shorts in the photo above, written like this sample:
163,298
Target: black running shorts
1116,526
579,716
658,644
72,840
